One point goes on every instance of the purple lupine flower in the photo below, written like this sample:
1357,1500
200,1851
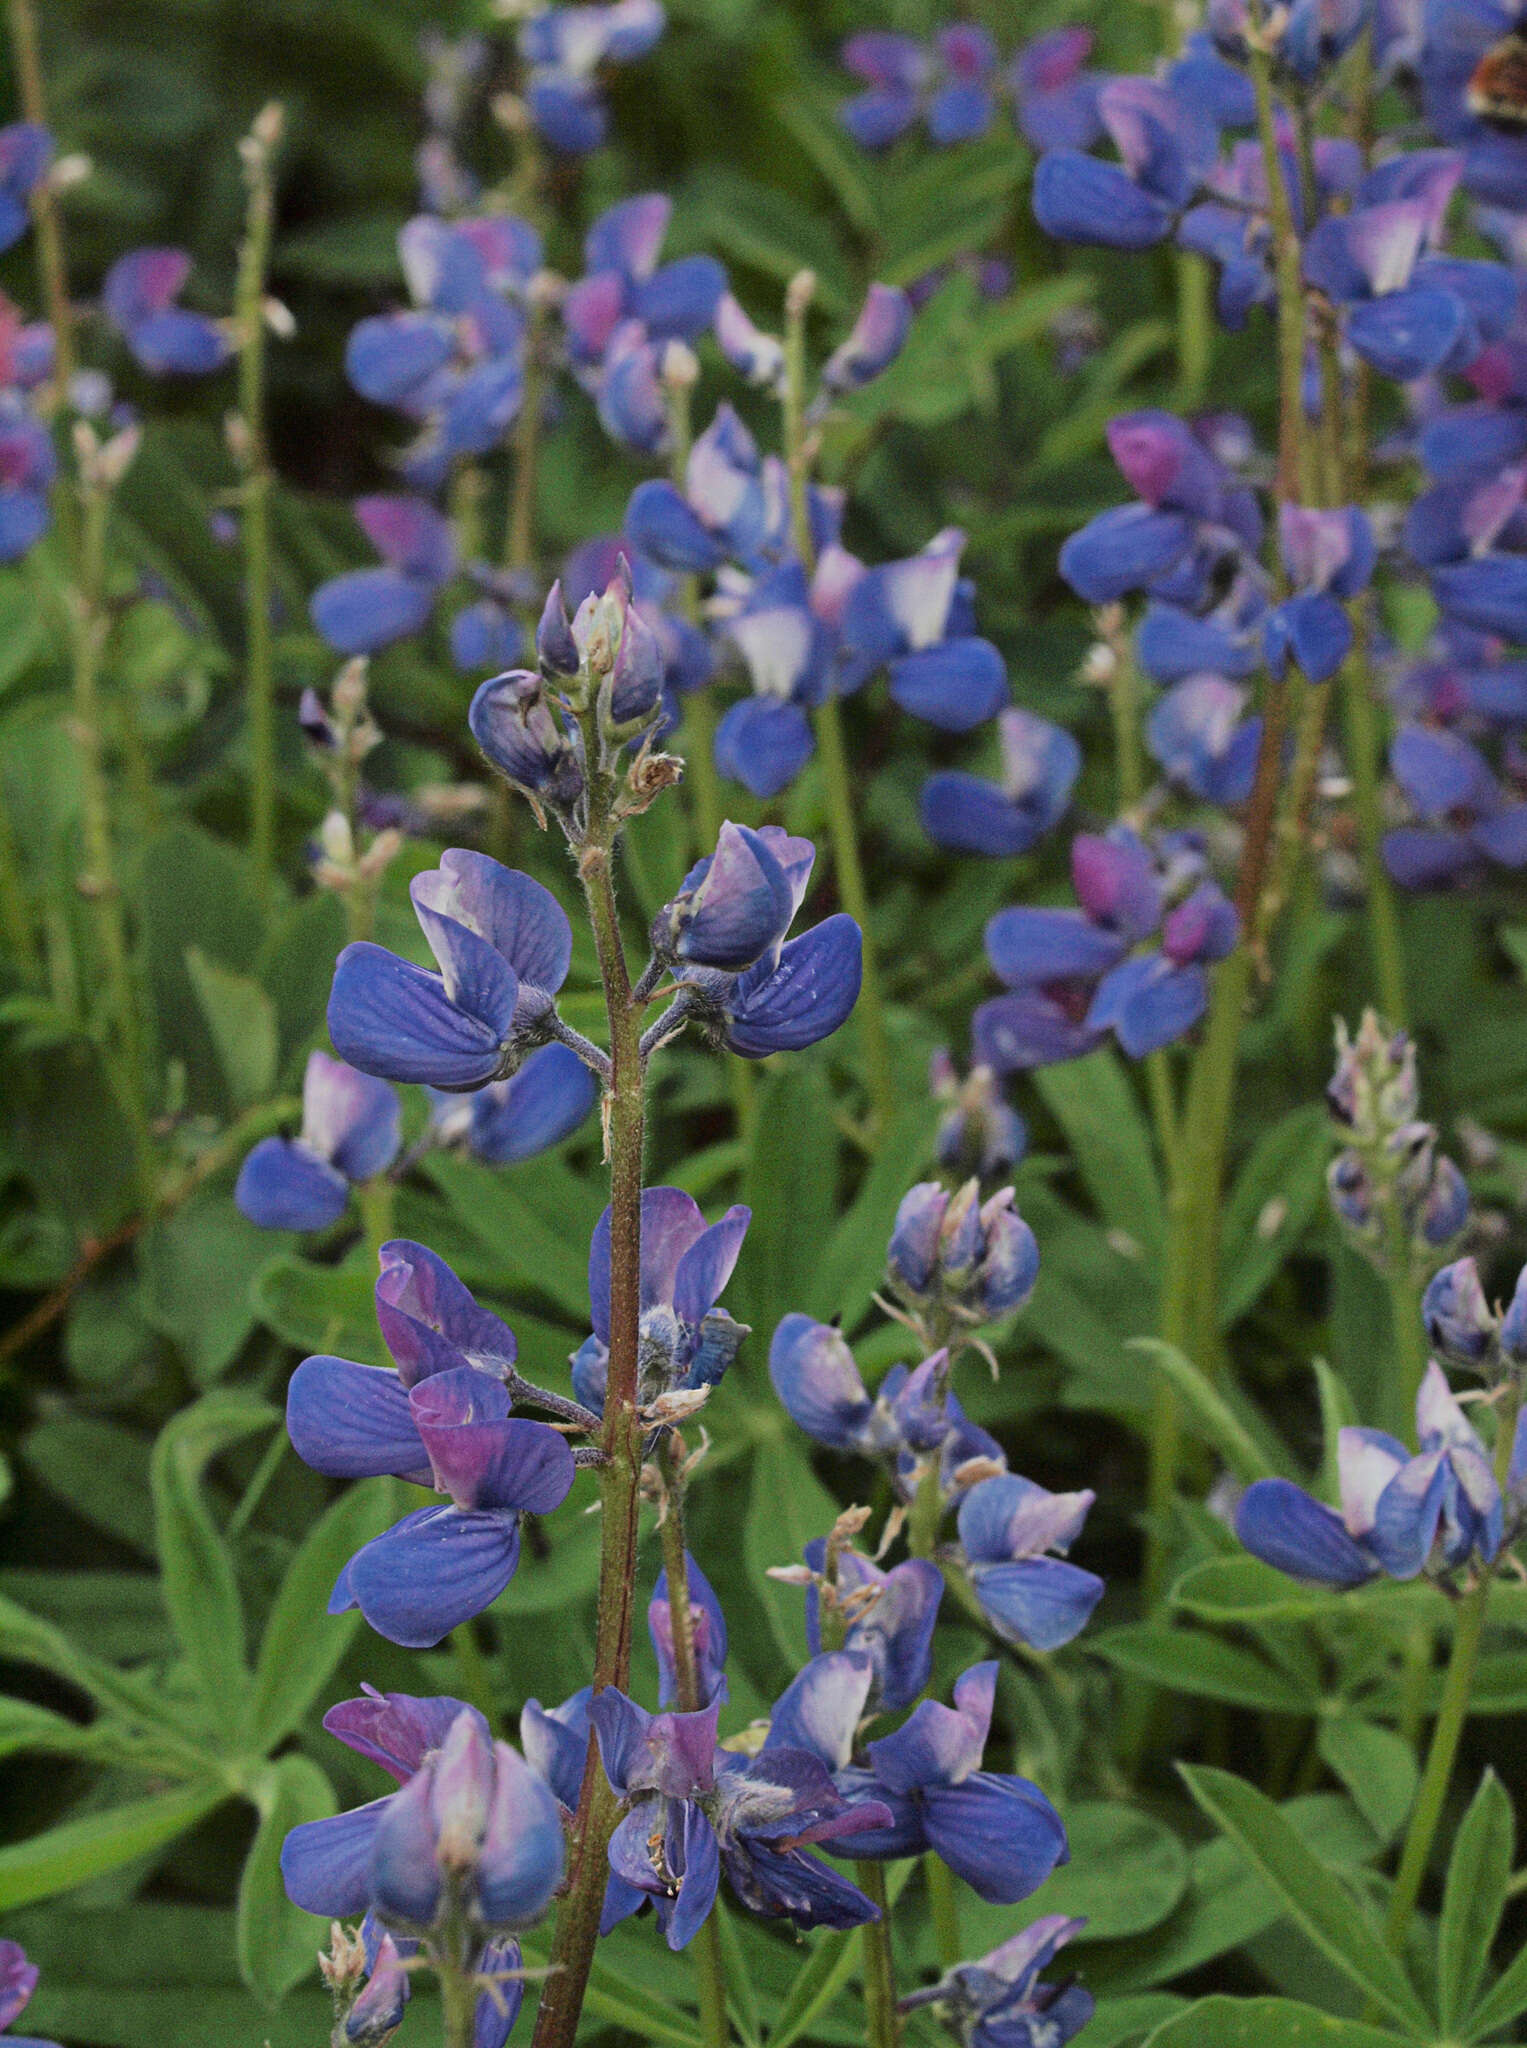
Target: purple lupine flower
786,632
1072,976
1328,557
522,1116
1400,1515
708,1626
948,85
999,1833
28,466
18,1977
1512,1334
367,609
734,505
555,1742
1166,148
619,314
979,1260
816,1379
737,903
1197,733
1459,1320
442,1418
377,2013
1463,679
1466,817
998,2002
167,340
1194,522
565,47
979,1132
25,153
873,343
1319,33
1054,95
351,1130
1458,36
758,356
472,1828
914,619
694,1809
687,1339
891,1618
486,635
1040,764
27,348
1008,1528
504,946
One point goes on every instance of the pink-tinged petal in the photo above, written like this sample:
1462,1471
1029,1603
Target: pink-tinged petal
1116,882
591,312
409,535
429,1319
1009,1517
629,237
874,342
478,981
1385,242
143,282
394,1729
514,1465
517,916
1440,1422
521,1860
821,1710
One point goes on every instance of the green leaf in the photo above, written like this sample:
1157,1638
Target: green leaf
1265,2023
1478,1878
1126,1874
79,1850
193,893
200,1589
242,1020
1182,1660
1209,1413
821,1977
1243,1589
1277,1191
321,1308
1095,1106
787,1506
851,1264
1377,1767
1338,1411
302,1644
100,1469
537,1220
1313,1896
791,1186
277,1940
1502,2003
198,1268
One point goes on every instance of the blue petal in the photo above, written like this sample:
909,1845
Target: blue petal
802,999
23,522
1123,550
430,1572
1281,1524
815,1377
969,815
763,744
999,1833
367,609
388,358
661,522
1312,628
1040,1601
1147,1002
326,1864
1028,946
1406,334
1488,593
352,1421
388,1017
285,1186
955,686
537,1108
1027,1029
1078,198
679,301
568,111
178,343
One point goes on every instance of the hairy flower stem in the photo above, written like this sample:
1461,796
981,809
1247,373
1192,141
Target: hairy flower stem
458,2004
1431,1796
253,456
51,263
828,717
1296,476
882,2024
620,1438
710,1964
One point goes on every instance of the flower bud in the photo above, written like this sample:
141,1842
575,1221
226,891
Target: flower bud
377,2013
1513,1330
517,730
1350,1190
636,680
1459,1321
733,905
556,649
1445,1209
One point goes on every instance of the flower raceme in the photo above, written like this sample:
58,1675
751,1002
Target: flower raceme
998,2001
974,1260
1401,1515
442,1418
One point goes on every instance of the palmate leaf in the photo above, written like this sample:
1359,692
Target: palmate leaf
1096,1107
78,1850
277,1940
1377,1767
1478,1879
1313,1896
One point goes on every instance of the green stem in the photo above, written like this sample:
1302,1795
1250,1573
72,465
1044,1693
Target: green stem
1410,1353
710,1964
458,2004
1296,479
882,2026
828,720
944,1906
374,1199
519,537
99,881
1195,329
620,1438
51,262
1383,917
472,1672
1431,1796
254,460
16,910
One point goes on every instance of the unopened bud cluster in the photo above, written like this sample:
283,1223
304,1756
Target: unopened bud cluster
957,1262
1395,1194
